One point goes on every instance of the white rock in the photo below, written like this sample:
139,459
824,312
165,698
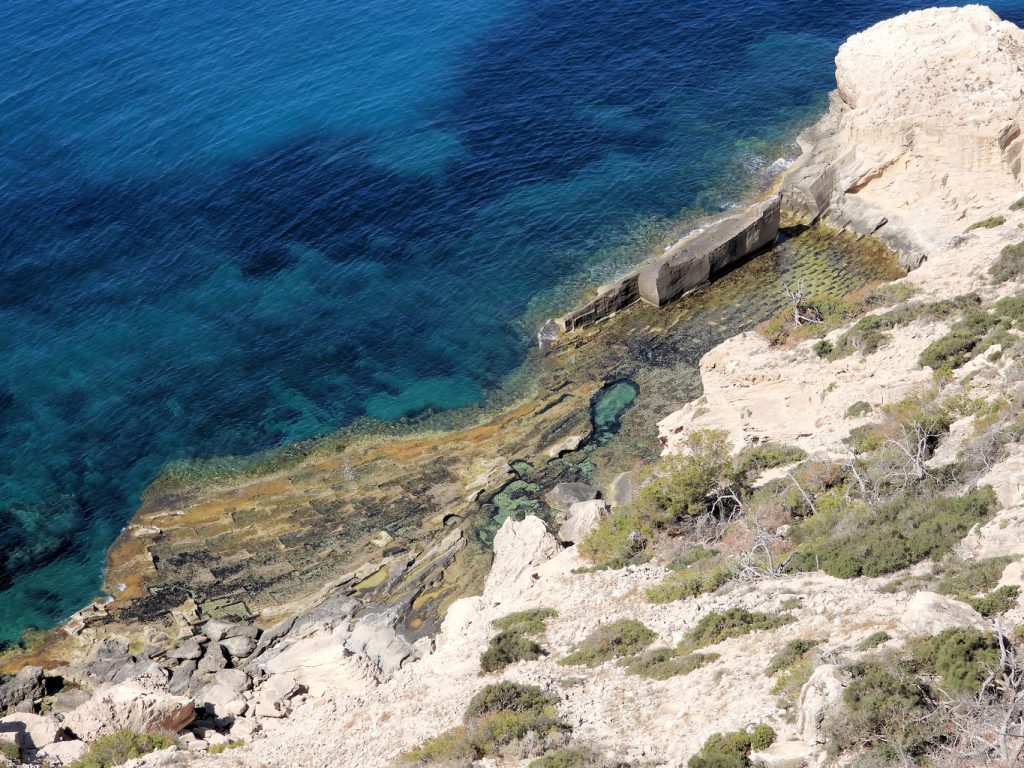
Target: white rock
519,547
63,752
819,698
129,706
583,518
930,614
31,731
220,701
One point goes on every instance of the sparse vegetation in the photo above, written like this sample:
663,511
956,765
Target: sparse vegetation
732,750
756,459
858,410
963,578
514,643
874,640
10,751
704,576
990,223
848,538
575,757
625,637
997,601
498,717
663,663
792,666
224,746
734,622
1009,265
122,746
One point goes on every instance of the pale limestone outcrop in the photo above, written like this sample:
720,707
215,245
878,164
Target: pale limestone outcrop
582,519
930,614
819,698
30,731
920,137
130,706
518,549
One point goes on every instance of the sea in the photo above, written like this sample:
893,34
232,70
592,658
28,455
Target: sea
225,227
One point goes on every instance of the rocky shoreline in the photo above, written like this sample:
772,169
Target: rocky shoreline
319,613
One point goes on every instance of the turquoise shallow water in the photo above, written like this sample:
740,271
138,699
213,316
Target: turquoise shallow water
223,228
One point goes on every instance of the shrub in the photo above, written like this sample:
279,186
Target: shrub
1009,265
624,637
998,601
530,622
959,345
858,410
734,622
874,640
120,747
961,657
497,716
691,556
574,757
885,711
694,484
756,459
508,647
10,751
791,653
224,746
849,539
690,582
969,577
732,750
663,663
990,223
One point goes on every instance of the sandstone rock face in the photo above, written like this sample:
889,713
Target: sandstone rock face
921,136
930,614
583,518
129,706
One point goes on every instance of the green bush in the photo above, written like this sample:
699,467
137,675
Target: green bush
1009,265
224,746
858,410
990,223
696,580
791,653
574,757
874,640
960,344
961,657
885,712
530,622
120,747
691,556
732,750
715,627
694,484
497,716
508,647
624,637
998,601
963,578
756,459
849,539
10,750
663,663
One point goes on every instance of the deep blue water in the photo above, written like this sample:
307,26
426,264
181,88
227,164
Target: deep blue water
225,226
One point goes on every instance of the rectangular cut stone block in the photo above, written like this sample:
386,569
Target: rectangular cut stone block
689,263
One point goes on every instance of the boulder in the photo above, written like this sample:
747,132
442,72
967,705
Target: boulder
583,518
31,731
62,752
222,702
930,614
214,658
819,698
622,490
519,547
564,495
27,685
182,677
239,646
189,649
375,637
69,699
235,679
130,706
